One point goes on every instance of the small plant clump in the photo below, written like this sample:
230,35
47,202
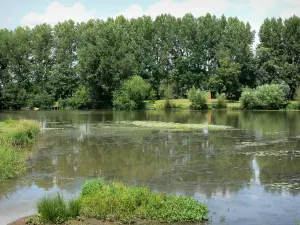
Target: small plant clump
178,126
221,101
198,98
57,210
116,202
15,134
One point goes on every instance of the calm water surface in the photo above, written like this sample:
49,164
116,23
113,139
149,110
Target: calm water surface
232,171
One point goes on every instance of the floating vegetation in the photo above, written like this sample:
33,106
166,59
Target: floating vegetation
294,153
287,186
177,126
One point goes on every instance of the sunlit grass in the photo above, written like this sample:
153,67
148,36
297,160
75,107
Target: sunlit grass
117,202
14,135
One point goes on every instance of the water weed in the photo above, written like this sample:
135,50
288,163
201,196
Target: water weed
179,126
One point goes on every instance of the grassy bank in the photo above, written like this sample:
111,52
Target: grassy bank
115,202
14,136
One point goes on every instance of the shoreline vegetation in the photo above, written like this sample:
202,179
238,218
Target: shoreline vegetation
115,203
15,136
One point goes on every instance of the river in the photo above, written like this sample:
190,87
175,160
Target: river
234,172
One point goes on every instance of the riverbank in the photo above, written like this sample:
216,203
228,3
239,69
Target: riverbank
15,135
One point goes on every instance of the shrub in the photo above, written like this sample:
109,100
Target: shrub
131,94
42,101
198,98
221,101
297,95
80,99
152,96
293,106
57,210
268,96
122,101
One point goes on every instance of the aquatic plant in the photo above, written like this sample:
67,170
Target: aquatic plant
117,202
178,126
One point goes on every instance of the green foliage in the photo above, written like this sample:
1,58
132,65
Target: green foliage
116,202
92,186
221,101
12,161
297,95
268,96
13,135
152,96
131,94
198,98
41,101
101,55
293,106
80,99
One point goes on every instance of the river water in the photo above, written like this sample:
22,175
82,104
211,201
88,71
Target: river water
234,172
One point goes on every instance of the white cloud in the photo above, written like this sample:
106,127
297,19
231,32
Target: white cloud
260,6
178,9
56,12
297,2
290,12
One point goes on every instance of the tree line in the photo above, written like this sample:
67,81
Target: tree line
91,60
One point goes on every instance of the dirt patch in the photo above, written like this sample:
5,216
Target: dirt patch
22,221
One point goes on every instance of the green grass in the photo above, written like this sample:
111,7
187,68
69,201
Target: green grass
116,202
56,210
14,136
177,126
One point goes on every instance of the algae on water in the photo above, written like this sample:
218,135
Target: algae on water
178,126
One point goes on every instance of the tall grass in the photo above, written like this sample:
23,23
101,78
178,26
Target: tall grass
57,210
14,135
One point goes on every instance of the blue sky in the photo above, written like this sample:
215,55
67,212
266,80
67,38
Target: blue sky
15,13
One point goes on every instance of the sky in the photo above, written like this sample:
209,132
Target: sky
15,13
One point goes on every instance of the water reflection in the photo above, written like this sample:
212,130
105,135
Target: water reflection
220,167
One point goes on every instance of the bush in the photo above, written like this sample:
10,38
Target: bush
42,101
198,98
221,101
268,96
122,101
80,99
131,94
116,202
293,106
152,96
297,95
57,210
